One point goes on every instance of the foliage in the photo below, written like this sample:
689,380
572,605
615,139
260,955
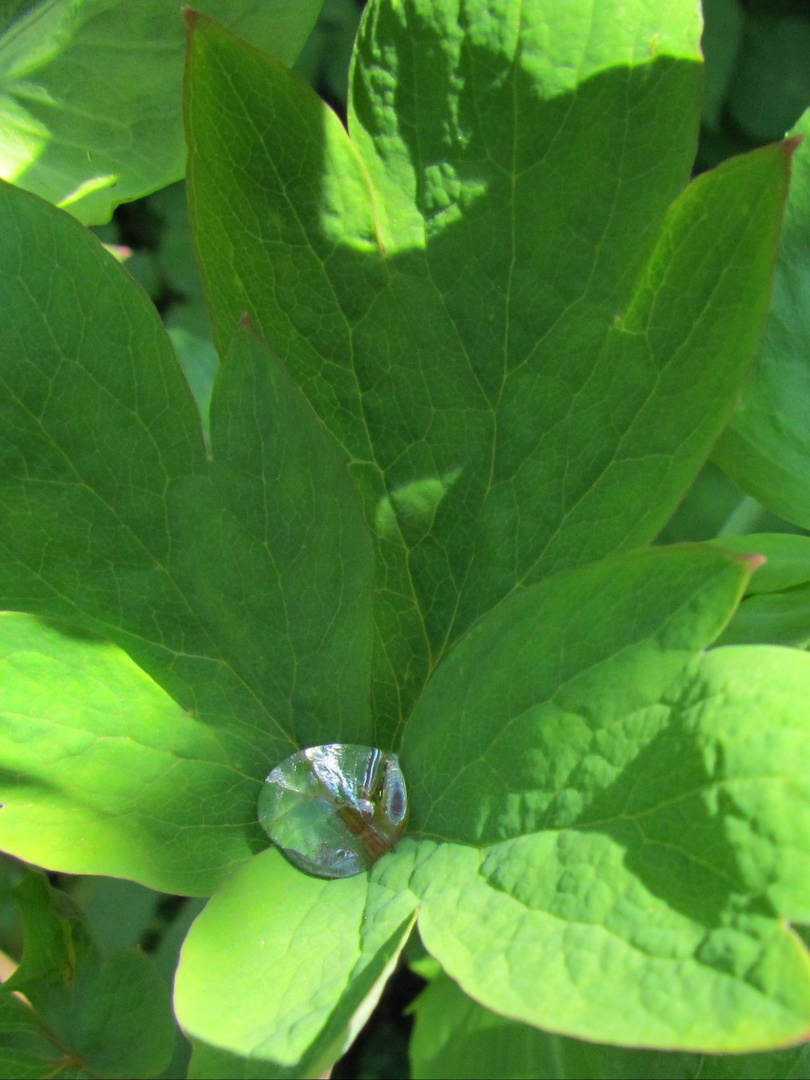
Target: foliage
86,122
475,351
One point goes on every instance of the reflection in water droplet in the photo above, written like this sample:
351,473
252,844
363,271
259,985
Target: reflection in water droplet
335,810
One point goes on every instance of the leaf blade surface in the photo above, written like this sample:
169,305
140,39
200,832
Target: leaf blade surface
301,969
491,324
90,94
242,582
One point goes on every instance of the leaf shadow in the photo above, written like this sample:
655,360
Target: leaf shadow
673,812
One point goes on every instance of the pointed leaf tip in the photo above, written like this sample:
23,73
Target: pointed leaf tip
791,145
752,562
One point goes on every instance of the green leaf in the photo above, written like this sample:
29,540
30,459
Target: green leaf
304,959
276,471
776,607
119,913
519,336
546,702
705,510
455,1036
525,347
786,559
240,583
766,447
11,10
90,93
602,945
325,59
772,618
109,1016
56,941
211,1063
770,86
26,1051
720,43
641,805
103,773
792,1063
658,916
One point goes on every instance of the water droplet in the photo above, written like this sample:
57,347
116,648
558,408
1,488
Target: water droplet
335,810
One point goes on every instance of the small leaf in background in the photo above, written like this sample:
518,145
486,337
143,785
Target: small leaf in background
722,32
27,1050
766,447
107,1016
61,58
786,555
455,1036
324,61
497,277
184,312
197,357
772,618
770,86
118,912
705,508
776,607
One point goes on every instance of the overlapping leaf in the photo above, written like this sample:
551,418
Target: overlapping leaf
525,347
240,583
102,772
305,961
610,831
776,607
455,1036
547,703
644,810
90,93
95,1015
766,447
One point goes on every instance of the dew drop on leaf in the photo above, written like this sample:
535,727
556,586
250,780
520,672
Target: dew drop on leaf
335,810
